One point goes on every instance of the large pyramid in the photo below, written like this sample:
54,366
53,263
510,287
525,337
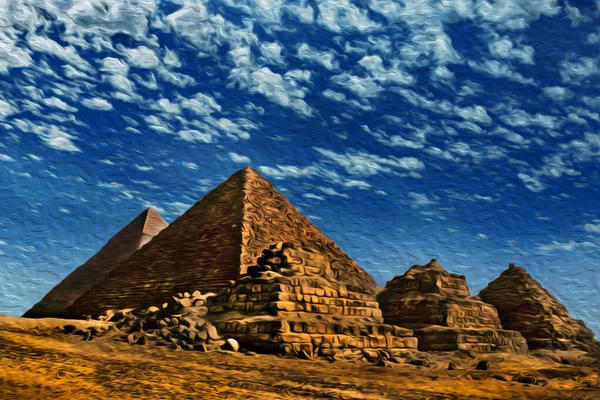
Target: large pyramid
525,306
212,244
122,245
439,307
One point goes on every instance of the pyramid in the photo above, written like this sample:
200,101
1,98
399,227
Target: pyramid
212,244
127,241
439,307
525,306
292,302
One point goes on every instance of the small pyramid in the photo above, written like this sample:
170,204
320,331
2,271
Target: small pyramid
127,241
525,306
439,307
212,244
292,302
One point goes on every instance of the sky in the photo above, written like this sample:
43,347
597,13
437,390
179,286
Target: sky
465,130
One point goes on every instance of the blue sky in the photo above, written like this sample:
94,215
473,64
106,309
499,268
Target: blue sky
466,130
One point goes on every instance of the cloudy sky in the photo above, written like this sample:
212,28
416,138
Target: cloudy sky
466,130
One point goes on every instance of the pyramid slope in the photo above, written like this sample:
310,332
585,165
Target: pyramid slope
211,244
122,245
524,305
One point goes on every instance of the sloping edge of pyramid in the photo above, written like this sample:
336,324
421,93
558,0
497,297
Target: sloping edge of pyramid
136,234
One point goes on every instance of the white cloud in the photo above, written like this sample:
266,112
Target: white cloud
506,48
6,109
241,56
577,70
58,103
557,93
143,57
521,118
282,90
190,165
201,104
592,227
442,73
192,135
11,56
6,158
238,158
342,15
419,200
97,103
365,164
304,13
564,246
68,54
362,87
144,168
313,196
386,76
271,52
532,183
499,70
289,171
324,58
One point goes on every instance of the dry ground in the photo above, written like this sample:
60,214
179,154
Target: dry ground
34,366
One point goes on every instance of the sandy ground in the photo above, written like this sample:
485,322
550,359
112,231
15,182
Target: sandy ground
36,366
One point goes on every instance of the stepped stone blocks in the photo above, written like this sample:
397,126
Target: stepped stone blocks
438,306
126,242
525,306
292,302
212,244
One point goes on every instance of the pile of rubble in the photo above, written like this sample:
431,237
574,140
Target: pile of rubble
179,323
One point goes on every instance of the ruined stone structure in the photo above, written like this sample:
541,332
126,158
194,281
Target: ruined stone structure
121,246
438,306
525,306
214,243
292,301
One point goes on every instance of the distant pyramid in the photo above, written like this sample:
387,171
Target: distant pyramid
127,241
439,307
212,244
525,306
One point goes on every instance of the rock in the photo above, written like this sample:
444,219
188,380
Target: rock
186,295
418,362
152,309
451,366
232,344
531,380
483,365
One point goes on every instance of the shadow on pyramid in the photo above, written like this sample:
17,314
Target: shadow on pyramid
139,232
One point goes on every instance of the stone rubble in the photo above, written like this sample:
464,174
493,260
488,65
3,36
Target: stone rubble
180,323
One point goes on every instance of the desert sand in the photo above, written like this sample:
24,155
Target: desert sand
36,363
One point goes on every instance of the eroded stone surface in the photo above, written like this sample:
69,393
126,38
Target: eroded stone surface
292,302
524,305
439,307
